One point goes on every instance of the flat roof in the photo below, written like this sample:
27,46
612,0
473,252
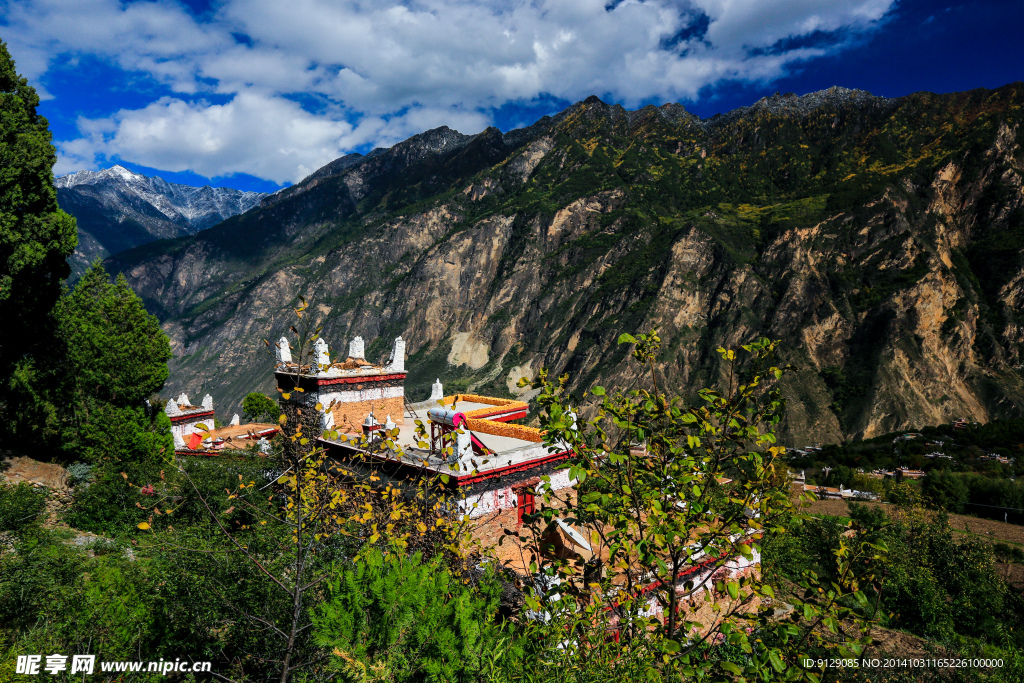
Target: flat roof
235,431
494,442
508,451
466,406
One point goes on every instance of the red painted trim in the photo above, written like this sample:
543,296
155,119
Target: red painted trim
509,469
507,418
466,479
358,380
684,573
214,452
189,416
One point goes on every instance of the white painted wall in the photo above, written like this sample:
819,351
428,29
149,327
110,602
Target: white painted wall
186,428
327,395
502,497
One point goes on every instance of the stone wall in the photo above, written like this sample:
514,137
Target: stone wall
489,527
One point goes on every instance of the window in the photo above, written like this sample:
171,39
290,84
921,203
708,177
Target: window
527,504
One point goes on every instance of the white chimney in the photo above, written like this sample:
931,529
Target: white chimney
321,353
183,400
397,361
356,349
172,408
284,351
235,421
436,391
207,402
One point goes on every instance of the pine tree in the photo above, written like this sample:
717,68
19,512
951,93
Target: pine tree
115,357
36,237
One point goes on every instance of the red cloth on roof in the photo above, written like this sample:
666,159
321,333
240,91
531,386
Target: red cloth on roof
195,441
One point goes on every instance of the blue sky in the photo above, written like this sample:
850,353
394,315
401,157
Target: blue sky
256,94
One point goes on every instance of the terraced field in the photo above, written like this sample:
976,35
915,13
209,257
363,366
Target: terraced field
989,528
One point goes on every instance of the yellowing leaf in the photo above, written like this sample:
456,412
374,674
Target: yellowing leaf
143,525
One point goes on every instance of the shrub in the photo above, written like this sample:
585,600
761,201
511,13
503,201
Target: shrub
20,506
79,473
260,408
401,619
1008,553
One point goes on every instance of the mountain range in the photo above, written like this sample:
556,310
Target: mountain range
117,209
881,240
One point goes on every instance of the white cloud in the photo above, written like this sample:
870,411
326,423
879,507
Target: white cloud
380,71
736,24
268,137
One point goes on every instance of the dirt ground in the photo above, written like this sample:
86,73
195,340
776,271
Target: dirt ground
897,644
999,531
17,469
1013,574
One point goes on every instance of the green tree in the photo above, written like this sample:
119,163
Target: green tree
19,506
36,237
116,347
671,494
945,490
112,356
260,407
399,618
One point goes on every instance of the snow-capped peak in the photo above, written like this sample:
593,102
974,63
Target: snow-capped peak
121,171
193,208
92,177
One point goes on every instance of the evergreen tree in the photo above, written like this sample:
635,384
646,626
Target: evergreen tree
36,237
260,407
114,357
399,618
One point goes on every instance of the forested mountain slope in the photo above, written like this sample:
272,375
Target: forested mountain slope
881,239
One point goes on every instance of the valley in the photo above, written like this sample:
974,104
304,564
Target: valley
880,239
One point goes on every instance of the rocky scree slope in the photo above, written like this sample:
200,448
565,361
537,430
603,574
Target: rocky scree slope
881,239
117,210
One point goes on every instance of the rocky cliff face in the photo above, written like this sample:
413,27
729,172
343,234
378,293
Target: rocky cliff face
881,240
117,210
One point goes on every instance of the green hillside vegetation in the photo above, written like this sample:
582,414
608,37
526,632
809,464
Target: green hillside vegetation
286,566
938,585
856,175
966,446
194,554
